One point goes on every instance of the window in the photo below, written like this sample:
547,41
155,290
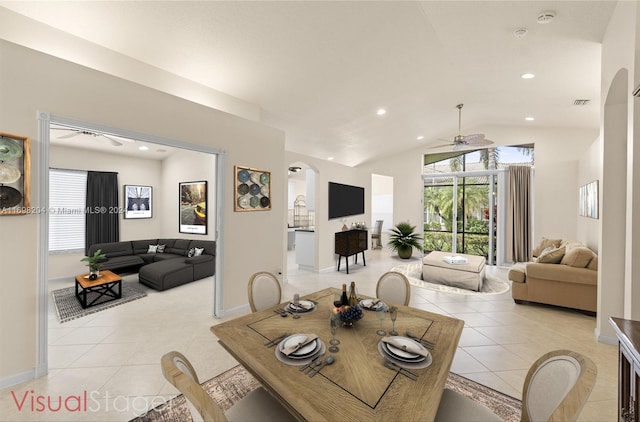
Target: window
67,202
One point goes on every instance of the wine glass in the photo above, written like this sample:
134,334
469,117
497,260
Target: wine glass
296,305
393,312
380,313
333,321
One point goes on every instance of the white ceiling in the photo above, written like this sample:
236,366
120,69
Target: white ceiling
320,70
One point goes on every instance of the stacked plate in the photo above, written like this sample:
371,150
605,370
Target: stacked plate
373,305
303,306
405,357
304,354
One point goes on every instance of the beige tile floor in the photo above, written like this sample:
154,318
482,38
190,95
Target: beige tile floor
113,356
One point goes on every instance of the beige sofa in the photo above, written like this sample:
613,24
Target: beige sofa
563,273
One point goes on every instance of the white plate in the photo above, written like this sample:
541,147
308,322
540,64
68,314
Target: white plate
300,309
303,352
404,341
368,305
407,365
299,362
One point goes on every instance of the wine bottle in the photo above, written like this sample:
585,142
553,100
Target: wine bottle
344,299
353,299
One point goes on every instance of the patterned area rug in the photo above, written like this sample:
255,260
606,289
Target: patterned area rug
68,306
230,386
492,285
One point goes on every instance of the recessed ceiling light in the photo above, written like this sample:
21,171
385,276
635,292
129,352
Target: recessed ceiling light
143,148
330,158
546,17
527,76
529,118
381,112
420,138
520,32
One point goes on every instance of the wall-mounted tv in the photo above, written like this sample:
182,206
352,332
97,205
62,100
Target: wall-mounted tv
345,200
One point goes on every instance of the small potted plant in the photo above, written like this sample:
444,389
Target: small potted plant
403,239
93,262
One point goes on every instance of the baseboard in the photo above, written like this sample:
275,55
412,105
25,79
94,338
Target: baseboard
238,310
17,379
605,339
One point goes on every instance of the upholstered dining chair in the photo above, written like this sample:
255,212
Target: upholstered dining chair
376,235
555,389
393,287
264,291
258,405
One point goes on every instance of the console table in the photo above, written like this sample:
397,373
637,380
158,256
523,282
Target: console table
351,242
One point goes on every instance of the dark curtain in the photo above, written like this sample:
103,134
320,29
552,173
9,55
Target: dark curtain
519,214
102,217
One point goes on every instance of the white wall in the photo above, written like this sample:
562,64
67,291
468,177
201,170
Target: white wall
33,82
590,169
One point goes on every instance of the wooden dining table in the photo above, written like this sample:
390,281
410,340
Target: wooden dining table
357,386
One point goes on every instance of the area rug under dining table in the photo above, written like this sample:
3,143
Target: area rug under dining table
232,385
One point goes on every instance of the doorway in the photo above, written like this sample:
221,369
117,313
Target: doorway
45,122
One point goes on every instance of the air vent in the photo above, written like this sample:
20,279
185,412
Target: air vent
636,92
581,102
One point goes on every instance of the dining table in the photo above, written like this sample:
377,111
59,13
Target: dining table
359,385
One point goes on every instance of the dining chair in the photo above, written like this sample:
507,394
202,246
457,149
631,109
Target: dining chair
376,235
393,287
555,389
264,291
258,405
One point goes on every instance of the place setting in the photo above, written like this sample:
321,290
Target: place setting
299,349
373,305
404,352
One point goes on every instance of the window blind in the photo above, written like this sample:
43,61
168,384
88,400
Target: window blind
67,202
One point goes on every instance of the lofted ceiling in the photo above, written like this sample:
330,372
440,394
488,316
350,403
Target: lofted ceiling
320,70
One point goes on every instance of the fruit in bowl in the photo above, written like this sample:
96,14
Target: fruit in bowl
348,314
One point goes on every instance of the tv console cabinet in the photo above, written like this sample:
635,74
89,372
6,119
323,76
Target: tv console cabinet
351,242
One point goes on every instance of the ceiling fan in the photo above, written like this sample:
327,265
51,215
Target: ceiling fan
460,141
77,132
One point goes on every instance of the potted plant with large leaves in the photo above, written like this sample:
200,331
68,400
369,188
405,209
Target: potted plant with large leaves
403,239
93,262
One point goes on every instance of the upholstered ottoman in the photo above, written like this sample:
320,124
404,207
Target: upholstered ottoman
470,275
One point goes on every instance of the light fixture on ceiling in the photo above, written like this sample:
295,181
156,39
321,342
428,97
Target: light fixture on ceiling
420,138
143,148
294,169
546,17
381,112
529,118
330,158
520,32
527,75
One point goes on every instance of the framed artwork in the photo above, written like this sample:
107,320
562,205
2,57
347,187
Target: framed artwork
15,168
252,189
138,201
588,200
193,207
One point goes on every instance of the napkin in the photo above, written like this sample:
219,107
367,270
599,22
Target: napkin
303,305
291,349
407,348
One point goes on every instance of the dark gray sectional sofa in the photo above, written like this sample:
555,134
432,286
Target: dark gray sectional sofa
161,270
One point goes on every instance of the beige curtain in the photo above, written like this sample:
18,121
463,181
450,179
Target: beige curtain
519,214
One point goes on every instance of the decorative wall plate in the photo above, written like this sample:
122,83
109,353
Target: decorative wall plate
15,174
252,189
10,149
9,197
9,173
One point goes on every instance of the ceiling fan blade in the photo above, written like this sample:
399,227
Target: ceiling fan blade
480,142
69,135
440,146
113,141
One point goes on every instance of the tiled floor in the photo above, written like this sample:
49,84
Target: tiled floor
113,356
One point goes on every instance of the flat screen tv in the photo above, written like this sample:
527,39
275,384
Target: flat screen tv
345,200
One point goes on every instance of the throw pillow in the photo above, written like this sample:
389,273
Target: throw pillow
545,243
593,264
152,249
191,252
578,257
554,256
161,248
198,251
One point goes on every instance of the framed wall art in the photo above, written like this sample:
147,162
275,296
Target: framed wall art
138,201
252,189
15,162
193,207
588,200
